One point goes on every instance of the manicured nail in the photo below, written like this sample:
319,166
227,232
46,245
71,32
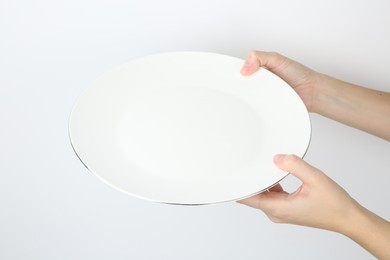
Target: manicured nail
278,158
250,60
247,63
245,67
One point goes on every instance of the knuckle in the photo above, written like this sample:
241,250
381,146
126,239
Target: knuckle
275,53
279,59
255,53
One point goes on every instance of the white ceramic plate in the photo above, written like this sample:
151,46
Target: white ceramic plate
188,128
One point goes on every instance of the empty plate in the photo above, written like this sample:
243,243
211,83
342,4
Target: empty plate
188,128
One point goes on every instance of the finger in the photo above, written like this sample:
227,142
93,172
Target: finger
265,201
270,60
251,201
251,64
296,166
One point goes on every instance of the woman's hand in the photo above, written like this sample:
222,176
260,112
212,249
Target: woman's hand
302,79
356,106
321,203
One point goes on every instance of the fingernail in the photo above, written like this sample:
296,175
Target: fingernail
245,67
249,62
278,158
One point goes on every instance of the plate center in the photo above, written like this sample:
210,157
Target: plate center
187,133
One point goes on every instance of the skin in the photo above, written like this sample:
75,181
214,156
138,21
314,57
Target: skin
320,202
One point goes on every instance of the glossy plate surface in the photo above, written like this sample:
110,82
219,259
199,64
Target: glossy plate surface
188,128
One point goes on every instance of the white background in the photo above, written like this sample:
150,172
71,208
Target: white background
50,51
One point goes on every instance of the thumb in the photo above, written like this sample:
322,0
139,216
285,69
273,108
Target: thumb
251,65
257,59
297,167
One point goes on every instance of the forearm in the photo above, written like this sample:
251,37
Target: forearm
369,231
359,107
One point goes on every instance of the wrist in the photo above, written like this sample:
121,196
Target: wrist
352,219
368,230
324,93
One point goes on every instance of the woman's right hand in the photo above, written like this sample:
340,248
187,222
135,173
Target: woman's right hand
320,202
301,78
